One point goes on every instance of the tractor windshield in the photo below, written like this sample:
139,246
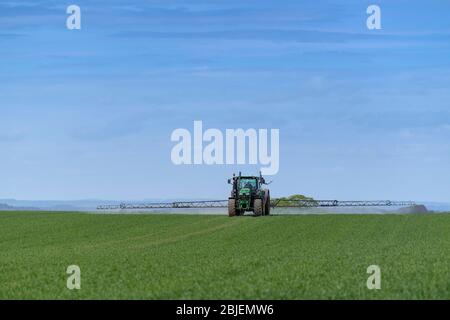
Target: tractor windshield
248,183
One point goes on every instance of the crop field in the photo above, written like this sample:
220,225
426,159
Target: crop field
157,256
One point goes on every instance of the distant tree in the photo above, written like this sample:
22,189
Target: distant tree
287,201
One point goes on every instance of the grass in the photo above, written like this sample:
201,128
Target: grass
216,257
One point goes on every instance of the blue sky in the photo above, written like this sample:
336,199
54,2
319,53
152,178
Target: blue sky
88,114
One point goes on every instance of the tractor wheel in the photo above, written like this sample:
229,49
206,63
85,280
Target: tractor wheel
267,207
231,207
258,208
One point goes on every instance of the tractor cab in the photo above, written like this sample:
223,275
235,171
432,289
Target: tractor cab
248,184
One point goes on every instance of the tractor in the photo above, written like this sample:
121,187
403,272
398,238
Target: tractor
247,194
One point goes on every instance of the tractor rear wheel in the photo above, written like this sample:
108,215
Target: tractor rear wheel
258,208
231,207
267,207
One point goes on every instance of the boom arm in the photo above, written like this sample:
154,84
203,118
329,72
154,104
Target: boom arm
274,204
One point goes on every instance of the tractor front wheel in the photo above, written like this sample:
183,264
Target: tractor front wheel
258,208
231,207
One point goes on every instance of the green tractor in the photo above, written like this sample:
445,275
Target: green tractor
247,194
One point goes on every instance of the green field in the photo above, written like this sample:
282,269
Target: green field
215,257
